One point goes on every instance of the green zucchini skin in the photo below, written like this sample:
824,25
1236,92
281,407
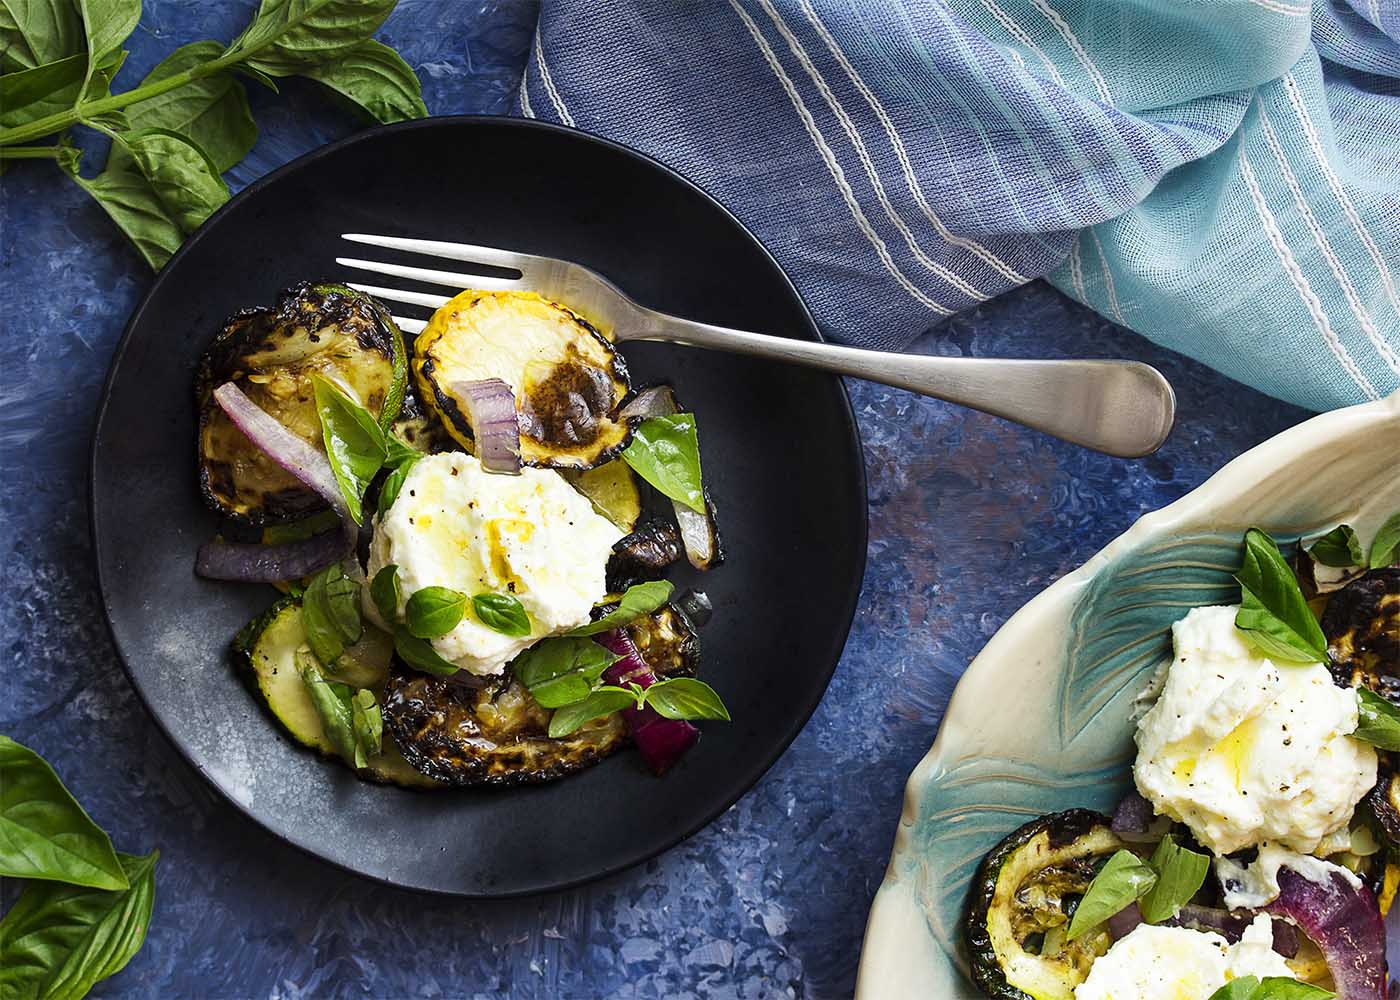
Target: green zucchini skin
271,353
1075,840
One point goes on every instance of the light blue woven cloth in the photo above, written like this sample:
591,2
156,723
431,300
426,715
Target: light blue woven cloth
1221,175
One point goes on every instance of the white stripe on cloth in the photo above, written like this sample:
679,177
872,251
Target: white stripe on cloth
863,154
1290,86
1286,10
524,95
1109,288
1300,283
548,81
1076,270
1080,55
1017,32
832,165
897,142
1334,263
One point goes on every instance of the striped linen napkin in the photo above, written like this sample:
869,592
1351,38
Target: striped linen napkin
1222,176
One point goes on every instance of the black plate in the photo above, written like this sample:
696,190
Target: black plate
781,454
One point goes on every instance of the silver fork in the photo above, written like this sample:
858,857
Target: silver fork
1123,408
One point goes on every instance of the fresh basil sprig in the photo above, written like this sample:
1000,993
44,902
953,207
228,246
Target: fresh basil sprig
351,719
330,614
1377,720
665,451
355,443
640,599
1338,548
502,613
1270,988
1385,547
562,671
567,719
1180,873
1123,880
44,833
434,611
420,654
384,592
1273,613
676,698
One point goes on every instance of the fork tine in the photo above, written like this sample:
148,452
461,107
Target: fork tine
448,279
408,325
468,252
398,295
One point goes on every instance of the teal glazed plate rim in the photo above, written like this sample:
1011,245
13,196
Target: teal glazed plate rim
1040,721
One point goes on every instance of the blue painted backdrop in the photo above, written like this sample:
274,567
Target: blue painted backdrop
969,518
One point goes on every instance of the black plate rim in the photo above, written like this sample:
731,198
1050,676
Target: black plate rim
330,149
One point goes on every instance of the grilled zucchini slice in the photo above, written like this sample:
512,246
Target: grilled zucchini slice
267,648
496,735
567,378
271,354
1022,898
612,490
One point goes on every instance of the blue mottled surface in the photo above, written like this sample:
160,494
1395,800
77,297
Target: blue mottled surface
969,518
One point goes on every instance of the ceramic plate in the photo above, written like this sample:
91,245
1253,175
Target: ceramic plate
1040,721
781,456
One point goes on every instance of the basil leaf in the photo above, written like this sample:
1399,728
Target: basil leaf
44,833
420,654
1242,988
332,703
1339,547
290,36
39,32
384,592
1285,988
601,703
58,940
1180,873
1123,880
375,79
397,453
1377,720
501,613
30,94
686,698
185,180
640,599
123,192
665,451
367,723
107,23
1385,547
393,482
330,614
1273,611
434,611
562,671
355,443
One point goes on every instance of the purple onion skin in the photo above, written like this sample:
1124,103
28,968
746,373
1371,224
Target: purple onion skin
1124,922
660,740
270,563
1133,815
1345,923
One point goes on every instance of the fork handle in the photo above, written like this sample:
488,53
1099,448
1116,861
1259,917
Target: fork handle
1122,408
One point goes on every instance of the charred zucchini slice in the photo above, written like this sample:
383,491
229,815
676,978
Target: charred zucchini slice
1362,625
1023,896
271,354
667,642
496,735
567,378
267,648
612,490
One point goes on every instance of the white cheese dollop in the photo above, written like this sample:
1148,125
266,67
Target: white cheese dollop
1177,963
1246,751
531,536
1255,885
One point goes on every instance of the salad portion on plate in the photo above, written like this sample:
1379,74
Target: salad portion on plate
472,573
1255,857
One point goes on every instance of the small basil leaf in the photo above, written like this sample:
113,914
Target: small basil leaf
393,482
420,654
601,703
1123,880
1377,720
397,453
1385,547
1180,873
1242,988
562,671
640,599
434,611
1339,547
1273,611
332,703
501,613
59,940
1284,988
367,722
384,592
330,614
354,442
665,451
686,698
44,833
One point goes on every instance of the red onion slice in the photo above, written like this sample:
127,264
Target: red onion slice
490,406
1345,923
661,741
270,563
303,460
1133,814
